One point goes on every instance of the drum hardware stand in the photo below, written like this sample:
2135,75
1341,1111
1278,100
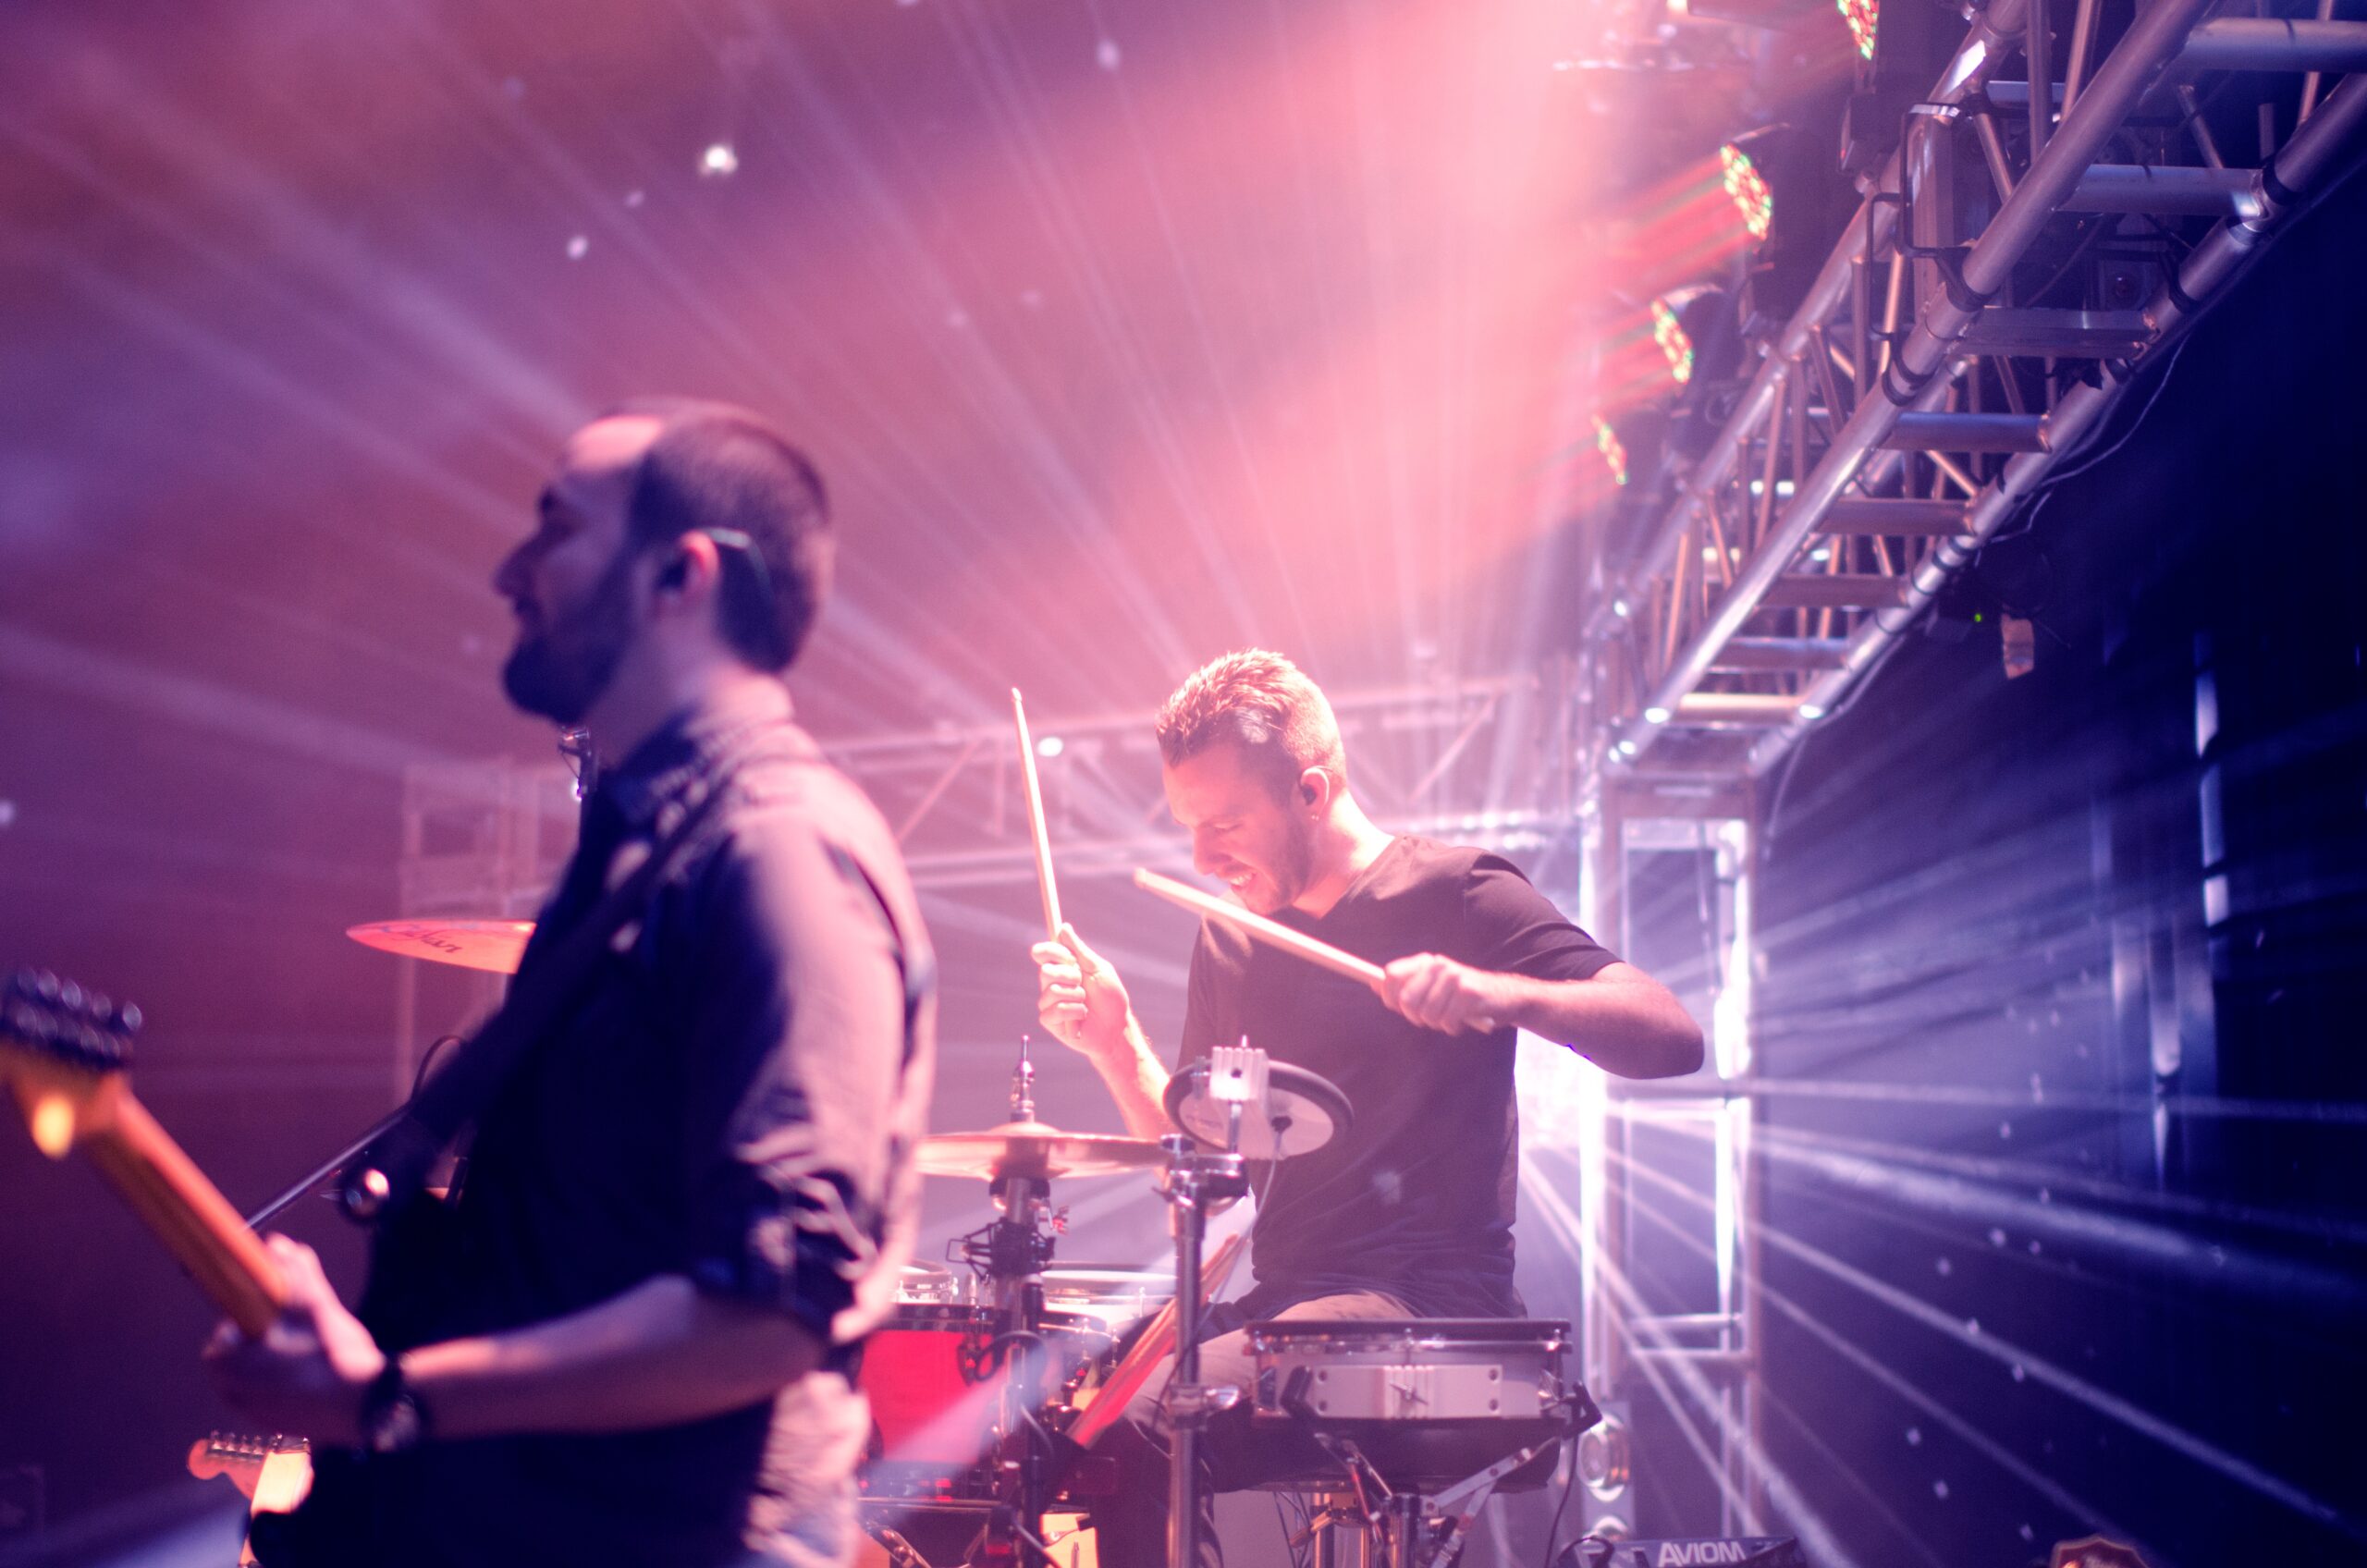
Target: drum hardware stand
1458,1507
1403,1519
1012,1254
1200,1181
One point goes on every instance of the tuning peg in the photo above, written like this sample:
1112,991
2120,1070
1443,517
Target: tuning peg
126,1018
97,1005
70,996
45,986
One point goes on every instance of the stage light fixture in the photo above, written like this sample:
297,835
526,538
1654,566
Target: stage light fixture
1808,203
1704,320
1752,196
1898,64
1863,17
1606,441
1675,345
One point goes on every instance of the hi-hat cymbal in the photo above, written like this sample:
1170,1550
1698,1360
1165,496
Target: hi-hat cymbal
494,946
1031,1148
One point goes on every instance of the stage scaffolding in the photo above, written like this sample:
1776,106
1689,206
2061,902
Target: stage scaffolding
1904,415
1896,423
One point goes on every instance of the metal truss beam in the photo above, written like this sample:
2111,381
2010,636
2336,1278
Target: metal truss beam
1859,471
1867,457
1486,761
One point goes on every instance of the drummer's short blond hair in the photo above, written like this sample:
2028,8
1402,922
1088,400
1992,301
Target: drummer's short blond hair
1262,703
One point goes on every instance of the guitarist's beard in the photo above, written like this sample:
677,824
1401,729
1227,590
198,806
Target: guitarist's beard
562,669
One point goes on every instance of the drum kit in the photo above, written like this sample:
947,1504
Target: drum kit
990,1384
990,1387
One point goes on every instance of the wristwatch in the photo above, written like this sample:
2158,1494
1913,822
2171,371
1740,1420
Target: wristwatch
393,1420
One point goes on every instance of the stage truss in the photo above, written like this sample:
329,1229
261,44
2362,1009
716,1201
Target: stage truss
1904,416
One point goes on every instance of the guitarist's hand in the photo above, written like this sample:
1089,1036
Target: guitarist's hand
306,1375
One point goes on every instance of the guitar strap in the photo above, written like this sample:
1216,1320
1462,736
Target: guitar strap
390,1172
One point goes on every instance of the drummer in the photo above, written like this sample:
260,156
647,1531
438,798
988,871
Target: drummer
1409,1212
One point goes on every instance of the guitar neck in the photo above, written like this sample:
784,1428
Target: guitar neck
184,1210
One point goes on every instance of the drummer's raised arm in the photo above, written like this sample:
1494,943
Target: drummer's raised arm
1082,1002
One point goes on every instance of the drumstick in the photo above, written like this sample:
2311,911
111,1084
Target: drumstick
1274,934
1035,819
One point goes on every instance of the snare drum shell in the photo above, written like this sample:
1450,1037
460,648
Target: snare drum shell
1427,1432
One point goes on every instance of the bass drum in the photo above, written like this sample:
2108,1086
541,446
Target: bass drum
941,1400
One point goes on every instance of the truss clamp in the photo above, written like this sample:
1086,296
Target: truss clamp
1950,259
1900,390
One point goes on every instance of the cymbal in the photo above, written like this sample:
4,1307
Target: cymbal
1031,1148
1303,1110
494,946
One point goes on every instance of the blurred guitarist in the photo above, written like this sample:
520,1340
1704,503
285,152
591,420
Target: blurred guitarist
627,1338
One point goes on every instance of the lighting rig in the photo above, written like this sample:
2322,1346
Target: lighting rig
2023,206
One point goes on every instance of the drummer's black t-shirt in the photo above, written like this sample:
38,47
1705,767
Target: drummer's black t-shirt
1416,1198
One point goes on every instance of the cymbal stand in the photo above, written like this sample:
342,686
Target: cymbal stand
1201,1182
1012,1254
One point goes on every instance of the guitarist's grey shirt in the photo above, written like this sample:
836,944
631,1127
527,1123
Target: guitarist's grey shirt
736,1098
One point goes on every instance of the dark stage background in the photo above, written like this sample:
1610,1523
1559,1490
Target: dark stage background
1128,333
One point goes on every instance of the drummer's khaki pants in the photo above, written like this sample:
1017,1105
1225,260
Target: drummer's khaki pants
1131,1526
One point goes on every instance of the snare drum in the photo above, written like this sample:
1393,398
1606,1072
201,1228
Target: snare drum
1430,1400
927,1283
937,1400
1117,1298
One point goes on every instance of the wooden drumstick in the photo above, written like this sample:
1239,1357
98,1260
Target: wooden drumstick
1275,934
1035,819
1271,932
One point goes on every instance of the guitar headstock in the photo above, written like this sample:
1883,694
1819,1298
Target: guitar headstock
248,1461
59,1045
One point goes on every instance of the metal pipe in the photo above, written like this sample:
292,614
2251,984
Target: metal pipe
2315,147
2264,43
1736,707
2038,45
2311,84
1967,432
2144,51
2204,142
2142,188
1976,60
2083,38
1908,516
1992,150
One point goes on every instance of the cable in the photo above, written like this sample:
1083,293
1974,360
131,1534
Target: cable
1569,1488
2044,491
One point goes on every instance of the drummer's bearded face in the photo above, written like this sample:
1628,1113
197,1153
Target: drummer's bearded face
1246,830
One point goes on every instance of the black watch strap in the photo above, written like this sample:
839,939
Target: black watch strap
393,1420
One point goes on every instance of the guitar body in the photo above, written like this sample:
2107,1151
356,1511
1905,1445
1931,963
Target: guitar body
395,1509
